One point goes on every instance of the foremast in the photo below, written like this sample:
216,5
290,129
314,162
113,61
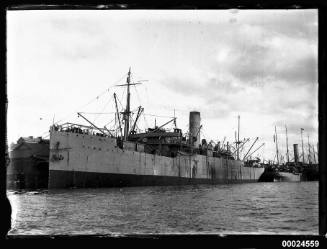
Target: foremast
127,112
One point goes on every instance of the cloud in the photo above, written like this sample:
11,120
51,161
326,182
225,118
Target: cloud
295,127
297,24
252,58
259,64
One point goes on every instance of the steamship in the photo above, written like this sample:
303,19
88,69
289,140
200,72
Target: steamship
80,157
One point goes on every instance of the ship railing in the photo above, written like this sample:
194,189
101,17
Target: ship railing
253,165
78,128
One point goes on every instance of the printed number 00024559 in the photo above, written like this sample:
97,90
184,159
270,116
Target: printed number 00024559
300,243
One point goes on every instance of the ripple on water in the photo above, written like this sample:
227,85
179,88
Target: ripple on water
280,208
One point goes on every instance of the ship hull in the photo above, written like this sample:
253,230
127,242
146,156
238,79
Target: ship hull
80,160
79,179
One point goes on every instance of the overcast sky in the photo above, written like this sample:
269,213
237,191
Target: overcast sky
259,64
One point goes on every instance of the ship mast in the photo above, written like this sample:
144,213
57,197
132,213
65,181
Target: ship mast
314,153
127,112
238,139
287,152
118,117
302,145
276,146
309,154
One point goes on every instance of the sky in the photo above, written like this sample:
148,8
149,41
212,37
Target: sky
259,64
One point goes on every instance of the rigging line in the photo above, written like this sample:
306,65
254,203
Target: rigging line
124,76
98,113
103,108
132,120
203,133
137,128
134,110
146,122
109,122
116,82
137,94
147,95
45,133
205,137
153,115
121,105
134,76
113,107
139,77
123,93
92,100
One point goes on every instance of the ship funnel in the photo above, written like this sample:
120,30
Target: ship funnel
195,121
296,153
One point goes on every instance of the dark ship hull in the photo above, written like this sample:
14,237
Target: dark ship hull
28,167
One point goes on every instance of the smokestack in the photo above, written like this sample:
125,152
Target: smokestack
194,124
296,153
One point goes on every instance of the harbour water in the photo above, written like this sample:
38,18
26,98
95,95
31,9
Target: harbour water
254,208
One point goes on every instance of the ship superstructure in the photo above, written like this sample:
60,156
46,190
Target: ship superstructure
89,156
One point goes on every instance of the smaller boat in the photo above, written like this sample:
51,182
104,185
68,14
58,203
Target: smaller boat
289,176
